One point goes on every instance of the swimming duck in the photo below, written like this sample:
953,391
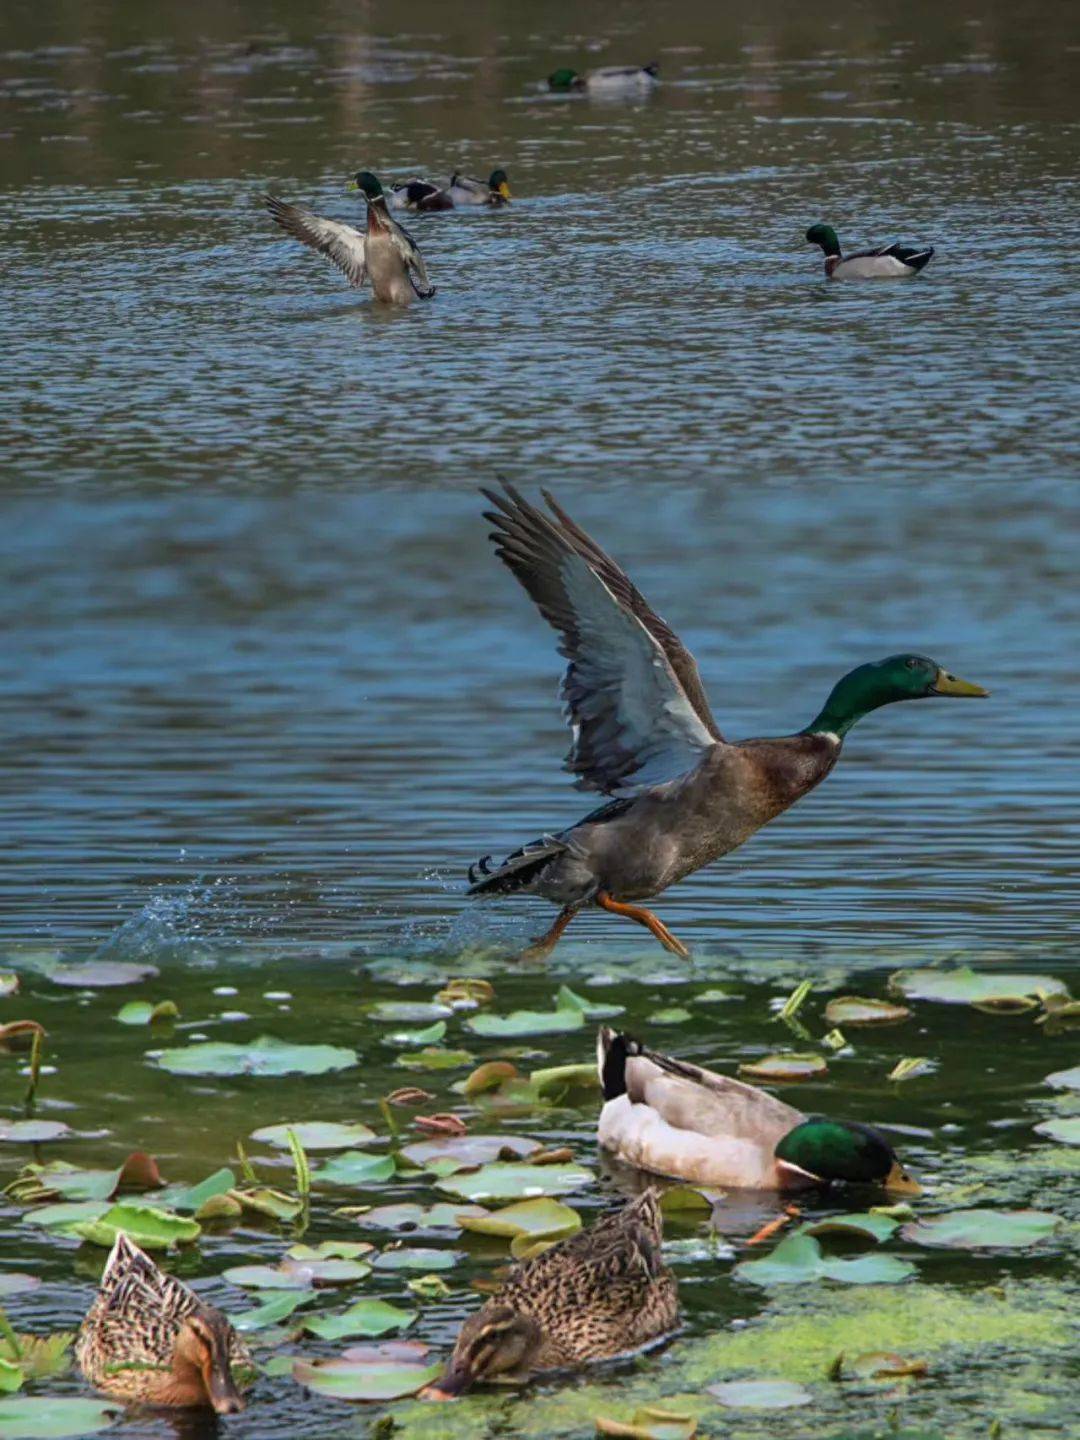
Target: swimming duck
644,735
673,1118
608,78
602,1293
387,254
888,262
149,1338
462,190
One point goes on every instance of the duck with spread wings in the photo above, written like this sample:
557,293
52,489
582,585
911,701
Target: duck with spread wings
643,734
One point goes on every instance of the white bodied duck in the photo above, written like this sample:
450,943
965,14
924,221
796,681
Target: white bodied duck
387,254
608,79
673,1118
462,191
888,262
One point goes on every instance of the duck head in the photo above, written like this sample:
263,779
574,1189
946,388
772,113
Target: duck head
881,682
843,1150
825,236
500,184
367,182
496,1343
201,1356
565,79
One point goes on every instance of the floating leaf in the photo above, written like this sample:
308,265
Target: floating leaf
543,1216
366,1317
434,1058
1065,1079
273,1311
566,999
193,1197
14,1282
983,1229
266,1056
59,1180
489,1077
558,1081
53,1417
855,1010
219,1207
409,1217
95,974
650,1423
57,1217
1066,1129
867,1226
142,1012
965,986
509,1181
881,1365
672,1015
274,1204
760,1394
785,1067
527,1022
298,1274
466,1150
406,1039
316,1135
149,1227
428,1287
417,1258
371,1372
408,1012
799,1259
355,1167
678,1199
910,1068
32,1132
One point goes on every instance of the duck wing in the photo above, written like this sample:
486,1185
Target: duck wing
690,1097
341,244
632,694
409,251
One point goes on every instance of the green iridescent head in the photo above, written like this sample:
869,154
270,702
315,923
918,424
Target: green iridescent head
897,677
825,236
563,79
500,183
367,182
843,1150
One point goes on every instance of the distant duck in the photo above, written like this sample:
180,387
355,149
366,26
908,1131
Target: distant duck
462,190
670,1117
609,79
387,255
150,1339
889,262
603,1293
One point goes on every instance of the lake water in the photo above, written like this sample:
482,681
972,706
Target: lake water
265,692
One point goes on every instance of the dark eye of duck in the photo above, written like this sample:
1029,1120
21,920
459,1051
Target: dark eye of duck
913,664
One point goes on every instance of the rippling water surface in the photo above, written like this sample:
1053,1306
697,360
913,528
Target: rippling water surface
264,690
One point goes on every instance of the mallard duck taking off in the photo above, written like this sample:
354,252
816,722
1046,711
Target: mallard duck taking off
888,262
149,1338
603,1293
673,1118
387,254
608,79
644,734
462,190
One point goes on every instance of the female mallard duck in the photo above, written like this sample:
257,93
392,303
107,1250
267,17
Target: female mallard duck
644,734
148,1338
673,1118
608,79
888,262
462,190
387,254
603,1293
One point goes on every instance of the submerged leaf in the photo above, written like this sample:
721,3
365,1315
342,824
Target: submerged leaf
979,1229
488,1077
855,1010
432,1057
965,986
799,1259
265,1056
785,1067
406,1039
408,1012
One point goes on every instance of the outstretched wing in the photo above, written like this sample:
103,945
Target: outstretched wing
409,251
633,697
339,243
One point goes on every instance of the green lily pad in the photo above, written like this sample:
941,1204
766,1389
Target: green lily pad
649,1423
15,1282
142,1012
866,1226
432,1057
466,1150
855,1010
270,1277
58,1180
558,1081
410,1039
271,1312
150,1227
330,1250
785,1067
760,1394
567,999
316,1135
32,1132
98,974
355,1167
194,1197
409,1012
967,987
983,1229
417,1258
1065,1079
366,1317
58,1217
266,1056
371,1372
1066,1129
274,1204
670,1015
679,1199
527,1022
799,1259
410,1217
504,1180
543,1216
53,1417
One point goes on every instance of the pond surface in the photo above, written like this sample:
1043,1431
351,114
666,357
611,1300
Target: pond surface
265,692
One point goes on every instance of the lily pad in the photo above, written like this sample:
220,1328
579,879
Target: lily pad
271,1312
409,1012
558,1081
193,1197
968,987
99,974
785,1067
408,1039
983,1229
761,1394
370,1372
32,1132
417,1258
316,1135
266,1056
1065,1079
299,1273
489,1076
799,1259
53,1417
671,1015
527,1022
58,1217
466,1150
568,999
366,1317
541,1217
410,1217
433,1057
650,1423
1066,1129
866,1226
355,1167
511,1181
142,1012
855,1010
150,1227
